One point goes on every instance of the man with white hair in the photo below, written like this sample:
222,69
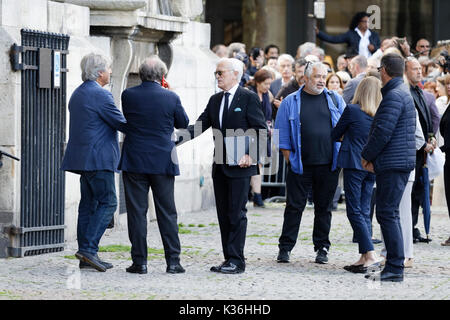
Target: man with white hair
305,120
305,49
232,110
93,153
285,66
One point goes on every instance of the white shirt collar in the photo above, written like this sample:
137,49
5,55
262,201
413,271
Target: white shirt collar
366,35
232,91
364,43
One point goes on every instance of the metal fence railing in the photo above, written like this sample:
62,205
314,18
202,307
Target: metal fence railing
42,60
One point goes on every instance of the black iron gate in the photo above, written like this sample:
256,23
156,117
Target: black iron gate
42,61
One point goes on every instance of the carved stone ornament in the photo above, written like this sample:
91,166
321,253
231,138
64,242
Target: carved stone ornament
186,8
122,5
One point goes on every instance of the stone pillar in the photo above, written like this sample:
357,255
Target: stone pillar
122,51
264,22
14,15
192,78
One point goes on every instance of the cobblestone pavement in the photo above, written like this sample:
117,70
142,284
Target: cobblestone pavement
56,275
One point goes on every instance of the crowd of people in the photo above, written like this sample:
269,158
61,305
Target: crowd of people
376,114
344,99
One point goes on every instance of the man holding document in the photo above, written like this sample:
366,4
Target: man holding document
236,118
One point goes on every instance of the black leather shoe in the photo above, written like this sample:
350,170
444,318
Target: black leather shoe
389,276
359,269
321,257
385,276
136,268
283,256
376,241
91,260
421,239
84,265
231,268
217,268
175,268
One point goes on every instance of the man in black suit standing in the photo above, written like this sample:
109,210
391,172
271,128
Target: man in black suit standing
413,71
235,108
149,161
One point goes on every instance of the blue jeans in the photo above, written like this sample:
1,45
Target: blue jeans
97,206
390,188
358,186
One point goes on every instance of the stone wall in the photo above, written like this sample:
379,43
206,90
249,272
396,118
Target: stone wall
192,78
46,16
190,75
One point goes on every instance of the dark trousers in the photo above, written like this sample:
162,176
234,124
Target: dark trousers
447,181
390,188
358,186
231,198
136,196
323,182
97,206
417,194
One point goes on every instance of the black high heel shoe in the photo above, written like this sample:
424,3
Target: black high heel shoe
352,267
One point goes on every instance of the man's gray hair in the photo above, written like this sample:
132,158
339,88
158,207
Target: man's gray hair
361,61
234,65
234,48
152,69
306,49
319,51
410,59
315,65
285,57
92,64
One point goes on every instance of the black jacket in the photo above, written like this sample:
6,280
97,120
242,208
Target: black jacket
392,142
444,128
352,38
244,113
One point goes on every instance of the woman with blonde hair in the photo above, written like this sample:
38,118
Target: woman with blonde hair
353,130
443,90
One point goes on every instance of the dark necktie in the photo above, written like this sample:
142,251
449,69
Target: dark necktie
424,107
225,111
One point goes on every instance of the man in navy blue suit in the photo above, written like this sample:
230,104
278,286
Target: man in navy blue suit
149,161
93,153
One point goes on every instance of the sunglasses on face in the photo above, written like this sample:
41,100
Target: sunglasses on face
220,72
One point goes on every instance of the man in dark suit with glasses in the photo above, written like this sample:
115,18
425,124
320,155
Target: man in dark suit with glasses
232,110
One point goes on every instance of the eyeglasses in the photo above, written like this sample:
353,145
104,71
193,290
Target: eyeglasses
308,64
424,46
220,72
379,68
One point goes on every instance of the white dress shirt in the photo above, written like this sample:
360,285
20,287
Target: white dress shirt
232,92
364,43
